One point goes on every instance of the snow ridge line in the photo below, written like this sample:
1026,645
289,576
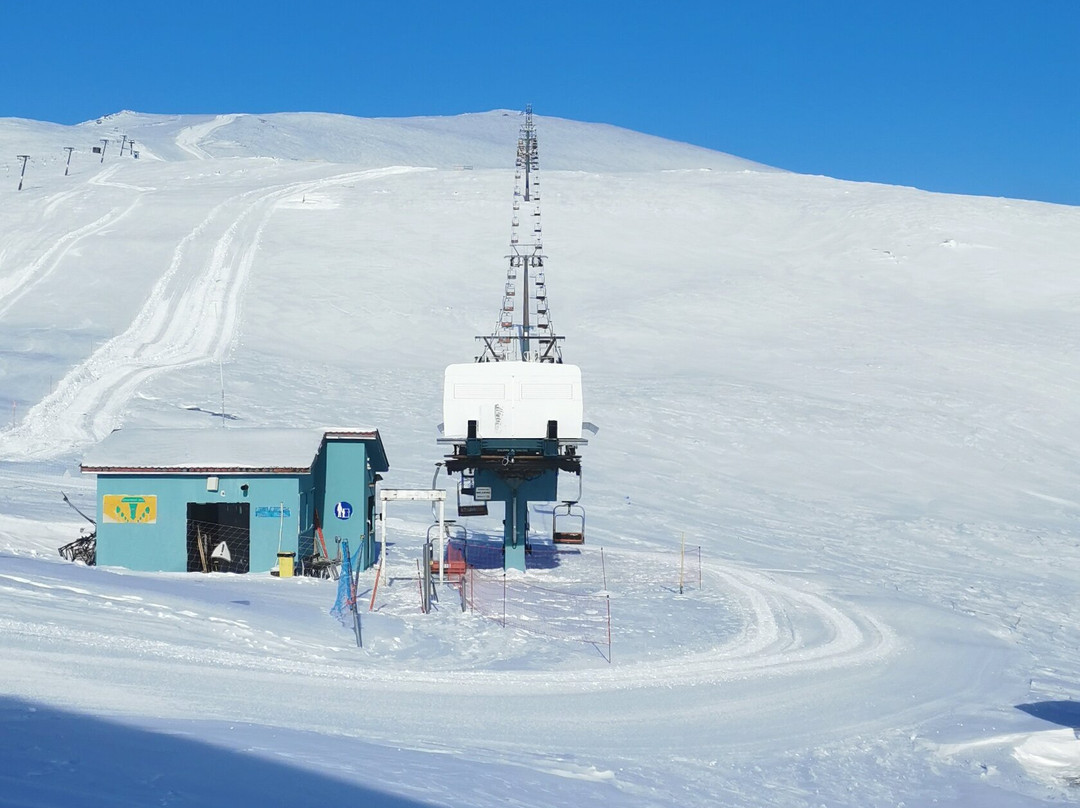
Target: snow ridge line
173,329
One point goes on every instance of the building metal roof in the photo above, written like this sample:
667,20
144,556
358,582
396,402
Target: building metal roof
217,450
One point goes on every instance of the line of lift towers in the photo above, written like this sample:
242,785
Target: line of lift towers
513,417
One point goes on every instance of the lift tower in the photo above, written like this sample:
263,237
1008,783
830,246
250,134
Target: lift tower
524,331
514,416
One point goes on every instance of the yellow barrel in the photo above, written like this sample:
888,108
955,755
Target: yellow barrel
285,564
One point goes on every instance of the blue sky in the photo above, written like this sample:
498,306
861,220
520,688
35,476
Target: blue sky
965,96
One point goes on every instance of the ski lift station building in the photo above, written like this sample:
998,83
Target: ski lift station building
161,493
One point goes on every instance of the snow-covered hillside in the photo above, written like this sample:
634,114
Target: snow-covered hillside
475,140
859,400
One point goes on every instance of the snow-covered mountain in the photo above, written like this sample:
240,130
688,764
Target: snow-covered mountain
476,140
859,400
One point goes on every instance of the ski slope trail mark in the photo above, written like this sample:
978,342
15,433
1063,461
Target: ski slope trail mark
795,650
188,139
189,318
14,287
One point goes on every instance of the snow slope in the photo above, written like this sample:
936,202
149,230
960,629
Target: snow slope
858,400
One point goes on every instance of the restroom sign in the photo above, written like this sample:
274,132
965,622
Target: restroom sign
343,510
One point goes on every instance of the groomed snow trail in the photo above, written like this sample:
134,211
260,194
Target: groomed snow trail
133,640
188,139
14,287
189,318
766,644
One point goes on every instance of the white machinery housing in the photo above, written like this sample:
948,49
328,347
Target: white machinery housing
512,399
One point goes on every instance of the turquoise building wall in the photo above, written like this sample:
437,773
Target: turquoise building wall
343,475
344,470
162,546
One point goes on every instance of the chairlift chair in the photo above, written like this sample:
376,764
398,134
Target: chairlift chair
568,524
476,508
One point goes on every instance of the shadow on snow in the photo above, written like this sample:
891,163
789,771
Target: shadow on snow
57,758
1065,713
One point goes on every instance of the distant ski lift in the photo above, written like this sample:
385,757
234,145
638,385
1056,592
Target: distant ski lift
510,290
517,205
514,239
514,223
506,321
512,272
568,524
540,279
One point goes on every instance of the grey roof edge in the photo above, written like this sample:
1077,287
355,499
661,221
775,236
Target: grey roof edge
130,465
378,459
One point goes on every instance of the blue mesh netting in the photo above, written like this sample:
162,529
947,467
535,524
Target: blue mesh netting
346,590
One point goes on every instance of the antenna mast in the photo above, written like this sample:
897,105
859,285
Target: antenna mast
524,332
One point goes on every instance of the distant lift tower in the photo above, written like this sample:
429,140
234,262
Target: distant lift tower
514,416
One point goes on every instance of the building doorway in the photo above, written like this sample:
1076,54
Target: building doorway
218,536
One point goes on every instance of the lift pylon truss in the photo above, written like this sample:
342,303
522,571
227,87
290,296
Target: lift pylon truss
523,330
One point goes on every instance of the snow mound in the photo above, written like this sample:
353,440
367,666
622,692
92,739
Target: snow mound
1052,756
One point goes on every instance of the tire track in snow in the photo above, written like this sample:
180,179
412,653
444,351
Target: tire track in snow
189,318
13,288
126,633
25,240
188,139
765,648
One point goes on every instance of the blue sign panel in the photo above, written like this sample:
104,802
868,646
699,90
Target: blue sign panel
274,512
343,510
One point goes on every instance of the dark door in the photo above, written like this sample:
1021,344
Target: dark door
218,536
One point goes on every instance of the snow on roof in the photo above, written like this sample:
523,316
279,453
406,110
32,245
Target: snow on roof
218,450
